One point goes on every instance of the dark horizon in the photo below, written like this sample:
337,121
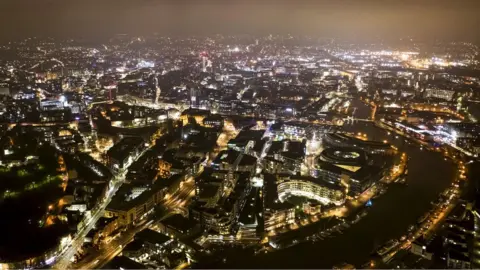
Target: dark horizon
428,19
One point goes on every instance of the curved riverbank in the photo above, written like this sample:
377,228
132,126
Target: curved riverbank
389,216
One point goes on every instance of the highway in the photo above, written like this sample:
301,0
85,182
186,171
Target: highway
64,259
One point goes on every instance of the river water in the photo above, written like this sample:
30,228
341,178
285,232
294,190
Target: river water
389,216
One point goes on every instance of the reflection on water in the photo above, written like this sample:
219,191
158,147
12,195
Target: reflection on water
389,216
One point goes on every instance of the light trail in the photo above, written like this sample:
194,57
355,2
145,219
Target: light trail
65,257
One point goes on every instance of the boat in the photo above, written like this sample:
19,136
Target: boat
344,266
387,247
401,180
357,218
422,218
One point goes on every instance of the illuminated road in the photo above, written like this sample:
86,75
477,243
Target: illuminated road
433,221
64,259
110,250
176,202
425,230
437,215
388,218
182,196
453,145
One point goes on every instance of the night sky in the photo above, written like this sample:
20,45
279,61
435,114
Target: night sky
444,19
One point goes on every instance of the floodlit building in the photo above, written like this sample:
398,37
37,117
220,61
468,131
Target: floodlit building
277,213
439,93
310,187
129,209
342,140
348,167
122,153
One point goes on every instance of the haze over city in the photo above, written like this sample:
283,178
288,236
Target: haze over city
239,134
424,19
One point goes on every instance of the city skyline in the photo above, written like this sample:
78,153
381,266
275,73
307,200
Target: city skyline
208,134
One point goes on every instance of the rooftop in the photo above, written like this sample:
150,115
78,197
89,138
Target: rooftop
318,181
119,203
226,156
124,147
247,135
344,155
134,246
179,223
354,142
208,190
151,236
459,256
248,160
271,200
359,173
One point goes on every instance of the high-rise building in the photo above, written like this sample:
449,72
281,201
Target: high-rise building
205,61
194,97
157,89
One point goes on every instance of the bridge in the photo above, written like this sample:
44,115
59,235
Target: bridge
450,141
51,59
90,106
352,120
